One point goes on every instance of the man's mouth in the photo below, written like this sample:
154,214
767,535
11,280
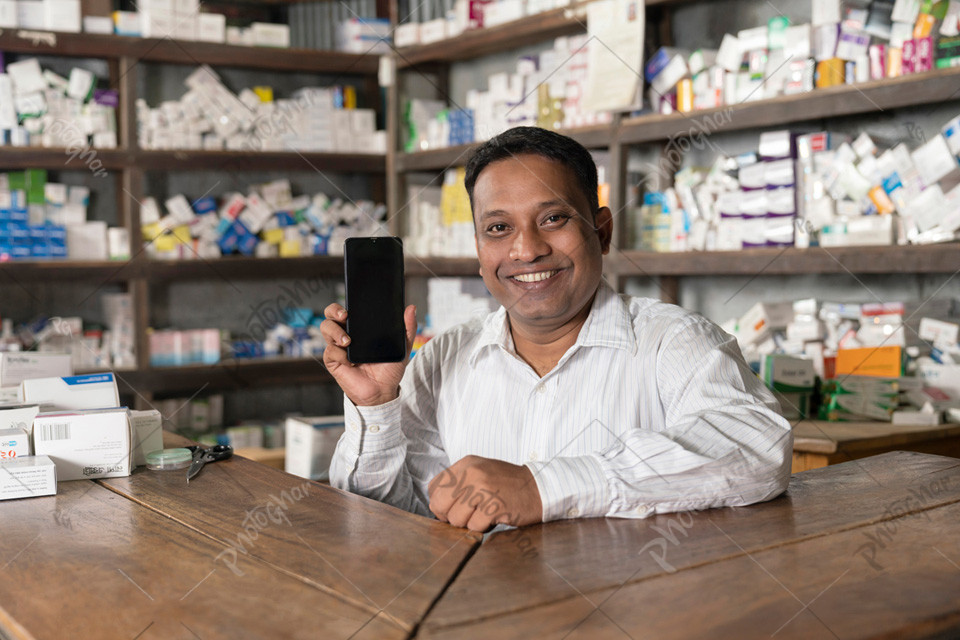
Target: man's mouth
535,277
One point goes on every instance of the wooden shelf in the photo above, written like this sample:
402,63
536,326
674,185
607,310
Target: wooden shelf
594,137
18,271
230,374
87,45
440,267
186,160
56,158
527,30
480,42
940,258
261,161
237,267
913,90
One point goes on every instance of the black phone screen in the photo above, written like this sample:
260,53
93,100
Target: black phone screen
374,291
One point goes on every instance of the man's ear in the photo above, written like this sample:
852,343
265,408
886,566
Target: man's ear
604,227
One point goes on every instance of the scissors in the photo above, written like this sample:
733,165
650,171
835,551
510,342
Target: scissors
202,455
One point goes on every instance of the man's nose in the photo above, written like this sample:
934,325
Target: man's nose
529,245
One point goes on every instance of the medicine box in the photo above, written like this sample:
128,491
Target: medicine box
14,443
18,417
93,391
15,367
147,430
310,443
28,477
85,444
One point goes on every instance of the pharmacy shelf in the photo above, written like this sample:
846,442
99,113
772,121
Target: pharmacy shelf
480,42
417,267
528,30
57,158
168,50
23,271
312,267
931,87
229,374
242,268
260,161
940,258
593,137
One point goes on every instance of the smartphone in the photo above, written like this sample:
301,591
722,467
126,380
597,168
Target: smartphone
374,290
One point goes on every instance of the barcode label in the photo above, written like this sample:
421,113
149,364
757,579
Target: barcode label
54,431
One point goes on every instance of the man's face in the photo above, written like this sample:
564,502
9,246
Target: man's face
540,249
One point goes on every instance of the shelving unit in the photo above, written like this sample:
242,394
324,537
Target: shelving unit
849,100
129,166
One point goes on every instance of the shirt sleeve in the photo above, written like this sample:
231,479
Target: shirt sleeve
390,452
723,441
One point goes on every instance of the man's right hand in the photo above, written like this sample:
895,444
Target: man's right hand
365,384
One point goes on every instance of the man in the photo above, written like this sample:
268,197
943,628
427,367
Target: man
570,401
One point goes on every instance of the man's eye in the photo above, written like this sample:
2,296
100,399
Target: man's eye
497,228
557,218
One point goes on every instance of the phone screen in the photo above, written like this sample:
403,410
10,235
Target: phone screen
374,284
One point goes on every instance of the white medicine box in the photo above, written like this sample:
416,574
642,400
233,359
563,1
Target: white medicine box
310,443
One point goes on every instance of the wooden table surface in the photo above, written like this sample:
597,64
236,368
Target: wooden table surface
864,549
244,550
817,443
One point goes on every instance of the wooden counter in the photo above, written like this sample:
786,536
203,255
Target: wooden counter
864,549
817,443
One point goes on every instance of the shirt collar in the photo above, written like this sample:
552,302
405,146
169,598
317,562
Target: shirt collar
607,325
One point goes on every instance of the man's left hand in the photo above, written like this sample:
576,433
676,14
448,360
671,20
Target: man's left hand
479,493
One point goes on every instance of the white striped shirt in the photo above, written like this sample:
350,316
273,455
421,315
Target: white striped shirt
652,410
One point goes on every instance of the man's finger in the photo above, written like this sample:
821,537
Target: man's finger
334,333
334,311
480,521
460,513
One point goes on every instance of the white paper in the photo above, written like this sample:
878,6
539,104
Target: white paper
615,55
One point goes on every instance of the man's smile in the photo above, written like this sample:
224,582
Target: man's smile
535,276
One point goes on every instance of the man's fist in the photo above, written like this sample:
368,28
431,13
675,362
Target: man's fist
479,493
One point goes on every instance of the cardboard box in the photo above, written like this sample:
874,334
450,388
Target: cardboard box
211,27
92,391
884,362
762,319
792,381
147,431
19,417
63,15
85,444
266,34
938,331
28,477
15,367
310,443
14,443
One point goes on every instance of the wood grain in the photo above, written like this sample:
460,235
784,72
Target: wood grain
588,556
831,437
367,553
88,563
818,588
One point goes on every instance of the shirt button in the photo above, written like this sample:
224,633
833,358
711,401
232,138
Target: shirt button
351,427
642,510
541,388
533,456
573,512
373,429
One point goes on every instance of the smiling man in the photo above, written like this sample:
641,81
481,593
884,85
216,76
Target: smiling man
571,400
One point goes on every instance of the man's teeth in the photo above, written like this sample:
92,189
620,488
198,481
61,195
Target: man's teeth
534,277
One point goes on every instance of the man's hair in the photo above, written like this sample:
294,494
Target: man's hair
540,142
